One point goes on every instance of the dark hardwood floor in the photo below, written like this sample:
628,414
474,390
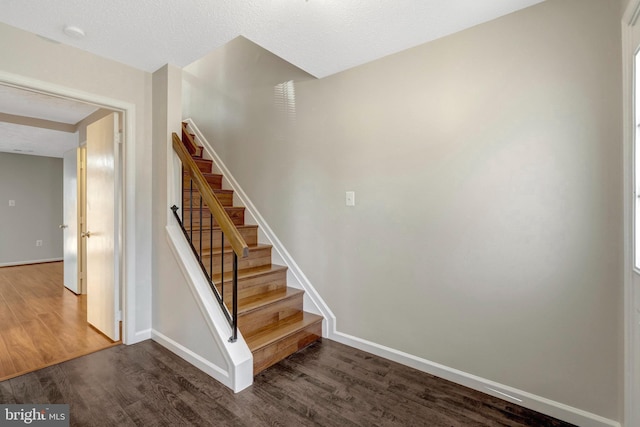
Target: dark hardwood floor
326,384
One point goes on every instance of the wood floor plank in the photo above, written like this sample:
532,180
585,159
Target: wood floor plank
160,390
34,300
72,337
101,371
55,385
325,384
22,350
362,380
6,362
6,393
191,378
61,388
27,389
47,343
143,413
189,393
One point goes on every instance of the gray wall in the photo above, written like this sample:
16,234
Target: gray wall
35,183
487,234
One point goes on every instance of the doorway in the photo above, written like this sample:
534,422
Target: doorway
42,323
125,256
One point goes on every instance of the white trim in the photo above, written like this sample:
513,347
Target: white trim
128,185
537,403
218,373
238,374
33,261
313,302
631,13
631,330
141,336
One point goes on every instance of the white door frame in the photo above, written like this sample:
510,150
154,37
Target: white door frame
127,189
631,329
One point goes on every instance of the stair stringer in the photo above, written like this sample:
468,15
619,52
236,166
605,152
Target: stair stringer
296,278
238,374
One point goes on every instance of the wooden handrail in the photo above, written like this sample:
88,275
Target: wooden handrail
193,148
217,210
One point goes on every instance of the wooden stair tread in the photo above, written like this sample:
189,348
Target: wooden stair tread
215,190
197,208
217,229
228,250
191,198
250,272
249,304
206,174
200,150
280,330
201,159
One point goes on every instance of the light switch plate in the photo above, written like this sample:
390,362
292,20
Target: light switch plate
351,198
12,202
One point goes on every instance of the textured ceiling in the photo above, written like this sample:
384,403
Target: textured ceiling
35,141
20,102
320,36
21,139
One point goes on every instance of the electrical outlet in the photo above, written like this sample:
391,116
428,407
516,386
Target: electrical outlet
12,203
38,242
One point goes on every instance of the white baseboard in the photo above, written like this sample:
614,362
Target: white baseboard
537,403
218,373
33,261
139,336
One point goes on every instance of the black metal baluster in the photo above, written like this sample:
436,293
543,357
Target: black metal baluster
211,243
182,191
229,314
200,240
234,327
190,208
222,265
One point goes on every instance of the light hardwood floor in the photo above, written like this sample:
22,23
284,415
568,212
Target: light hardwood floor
41,322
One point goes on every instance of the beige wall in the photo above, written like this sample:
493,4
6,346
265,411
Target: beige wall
28,56
487,234
34,183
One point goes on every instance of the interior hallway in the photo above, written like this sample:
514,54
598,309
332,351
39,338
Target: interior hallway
41,322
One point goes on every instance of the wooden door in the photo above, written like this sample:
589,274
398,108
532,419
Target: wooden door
69,227
102,235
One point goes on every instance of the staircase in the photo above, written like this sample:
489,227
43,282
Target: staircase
270,314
